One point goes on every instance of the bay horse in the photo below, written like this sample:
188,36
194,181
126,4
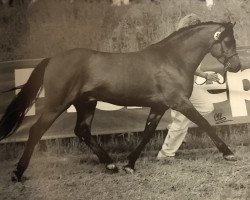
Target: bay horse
160,76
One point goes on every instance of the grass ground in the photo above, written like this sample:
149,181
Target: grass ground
67,170
194,174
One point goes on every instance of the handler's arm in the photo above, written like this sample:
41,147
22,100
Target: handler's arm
209,77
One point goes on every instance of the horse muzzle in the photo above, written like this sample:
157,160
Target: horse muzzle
232,63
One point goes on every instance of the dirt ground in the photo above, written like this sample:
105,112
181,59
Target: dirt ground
193,174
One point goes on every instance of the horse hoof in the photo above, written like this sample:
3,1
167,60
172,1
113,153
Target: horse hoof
230,157
112,168
15,177
128,170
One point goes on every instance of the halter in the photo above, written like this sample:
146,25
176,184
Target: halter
226,65
226,62
223,56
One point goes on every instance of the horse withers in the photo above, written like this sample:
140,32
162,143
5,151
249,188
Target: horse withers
159,76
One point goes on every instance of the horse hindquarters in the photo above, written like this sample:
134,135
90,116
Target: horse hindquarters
58,97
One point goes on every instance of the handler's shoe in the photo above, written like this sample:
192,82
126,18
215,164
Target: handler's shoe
163,156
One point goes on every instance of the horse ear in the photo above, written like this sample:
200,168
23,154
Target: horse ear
231,25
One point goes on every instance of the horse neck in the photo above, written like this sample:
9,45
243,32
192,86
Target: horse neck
188,48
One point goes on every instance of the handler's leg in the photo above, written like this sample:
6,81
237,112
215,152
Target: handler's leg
152,122
187,109
176,134
180,124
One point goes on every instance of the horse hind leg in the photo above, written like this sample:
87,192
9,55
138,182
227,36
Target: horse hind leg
85,114
36,132
152,122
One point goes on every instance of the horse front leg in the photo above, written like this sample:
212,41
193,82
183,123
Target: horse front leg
152,122
187,109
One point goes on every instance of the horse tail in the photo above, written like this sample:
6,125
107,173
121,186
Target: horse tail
14,114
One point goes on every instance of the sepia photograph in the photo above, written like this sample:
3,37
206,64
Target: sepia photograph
124,99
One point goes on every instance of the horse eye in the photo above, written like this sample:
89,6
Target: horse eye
228,42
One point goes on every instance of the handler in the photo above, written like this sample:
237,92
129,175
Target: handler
199,98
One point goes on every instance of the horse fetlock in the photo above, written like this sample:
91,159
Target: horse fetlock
224,149
16,177
128,169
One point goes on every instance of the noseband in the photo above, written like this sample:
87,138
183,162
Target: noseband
226,63
226,58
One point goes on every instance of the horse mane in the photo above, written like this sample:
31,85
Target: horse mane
196,25
225,24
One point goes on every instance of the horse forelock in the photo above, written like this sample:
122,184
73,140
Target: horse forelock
228,30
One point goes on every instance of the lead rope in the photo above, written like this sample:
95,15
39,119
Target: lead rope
224,79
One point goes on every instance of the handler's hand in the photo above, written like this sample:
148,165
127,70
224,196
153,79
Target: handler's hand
212,77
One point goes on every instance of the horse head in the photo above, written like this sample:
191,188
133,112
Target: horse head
223,48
